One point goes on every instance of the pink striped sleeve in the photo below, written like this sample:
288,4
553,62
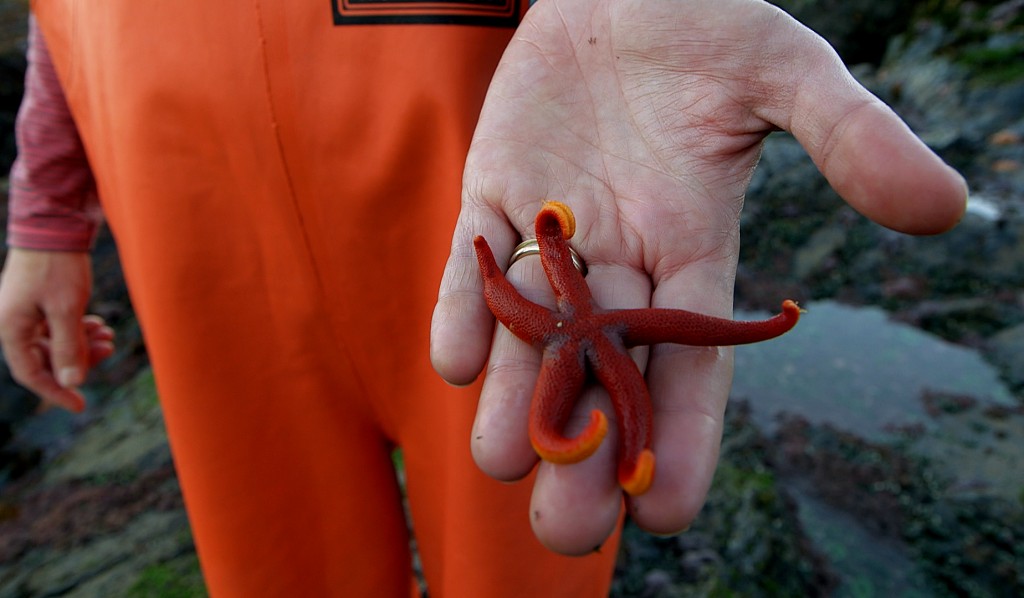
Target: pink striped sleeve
53,203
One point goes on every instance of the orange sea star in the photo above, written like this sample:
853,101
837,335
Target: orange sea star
579,333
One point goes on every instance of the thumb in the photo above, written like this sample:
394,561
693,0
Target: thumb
874,161
68,348
868,154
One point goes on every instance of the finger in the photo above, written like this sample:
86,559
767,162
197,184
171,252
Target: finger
30,367
874,161
66,398
867,153
27,357
96,327
501,443
68,348
689,388
98,351
574,508
461,326
100,339
687,433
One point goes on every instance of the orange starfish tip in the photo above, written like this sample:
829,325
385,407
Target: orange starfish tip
638,481
790,305
792,309
573,450
564,215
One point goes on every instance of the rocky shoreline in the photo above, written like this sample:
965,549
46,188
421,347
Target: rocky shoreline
89,506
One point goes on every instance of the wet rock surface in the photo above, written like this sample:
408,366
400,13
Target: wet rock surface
747,540
957,534
89,505
104,516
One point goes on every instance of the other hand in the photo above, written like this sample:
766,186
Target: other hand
48,342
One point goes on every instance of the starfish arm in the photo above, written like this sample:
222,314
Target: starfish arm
555,225
621,377
560,382
526,319
652,326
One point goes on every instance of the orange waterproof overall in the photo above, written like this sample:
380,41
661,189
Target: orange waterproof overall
282,178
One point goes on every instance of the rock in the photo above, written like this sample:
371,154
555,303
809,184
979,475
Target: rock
958,81
657,583
16,403
696,565
103,515
107,566
746,541
964,320
858,29
1006,351
131,439
787,202
944,501
819,252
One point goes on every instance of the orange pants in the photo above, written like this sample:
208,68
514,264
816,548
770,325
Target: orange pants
282,190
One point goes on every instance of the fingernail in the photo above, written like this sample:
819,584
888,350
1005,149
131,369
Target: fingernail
69,377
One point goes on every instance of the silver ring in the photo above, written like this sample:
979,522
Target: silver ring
530,247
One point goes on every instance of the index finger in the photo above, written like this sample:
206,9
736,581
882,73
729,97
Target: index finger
28,360
461,325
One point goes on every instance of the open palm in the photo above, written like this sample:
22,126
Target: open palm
647,117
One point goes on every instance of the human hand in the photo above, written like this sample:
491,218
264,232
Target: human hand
48,343
647,117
